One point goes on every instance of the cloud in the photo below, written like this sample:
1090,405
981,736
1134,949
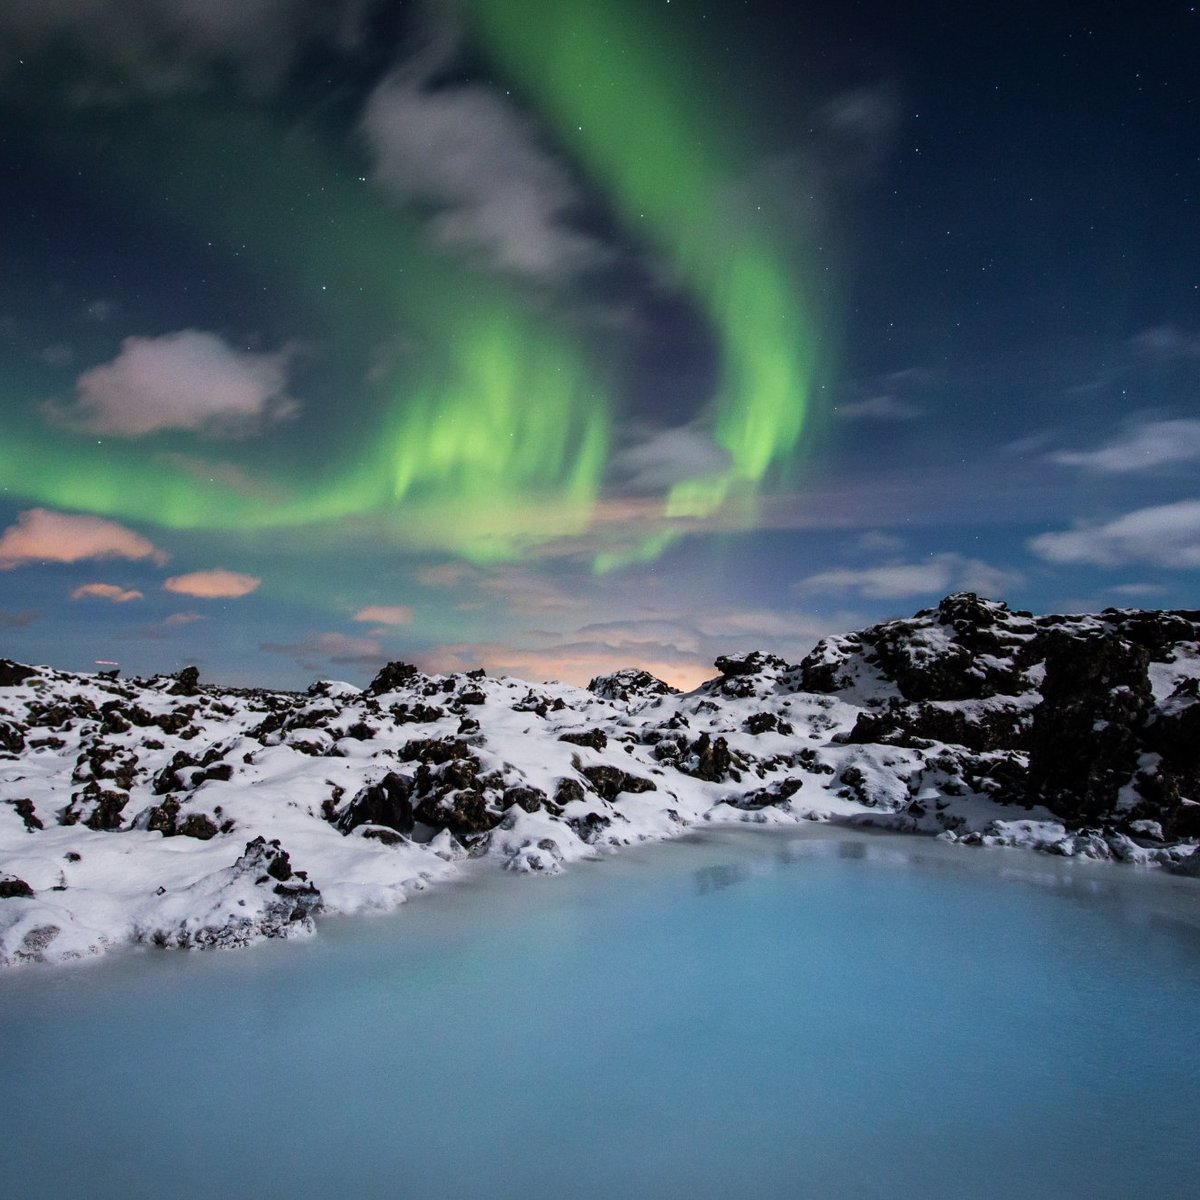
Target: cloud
106,591
1168,344
444,575
331,647
875,541
160,630
1140,447
176,620
656,460
520,590
499,194
227,475
879,408
937,575
10,620
576,662
1167,535
41,535
861,126
188,380
385,614
161,47
1137,589
216,584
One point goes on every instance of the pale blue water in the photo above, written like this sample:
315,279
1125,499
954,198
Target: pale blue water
753,1015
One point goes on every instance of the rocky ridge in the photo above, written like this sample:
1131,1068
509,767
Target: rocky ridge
171,812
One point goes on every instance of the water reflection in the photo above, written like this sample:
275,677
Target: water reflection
719,877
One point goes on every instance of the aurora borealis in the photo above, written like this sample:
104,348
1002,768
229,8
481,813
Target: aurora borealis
581,334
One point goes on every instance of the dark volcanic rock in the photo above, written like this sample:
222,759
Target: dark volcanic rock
387,803
569,790
531,799
462,811
11,887
732,666
629,684
392,676
25,811
595,739
416,714
434,750
609,782
187,682
164,819
12,739
13,674
1173,734
1084,740
706,758
97,809
777,793
766,722
982,727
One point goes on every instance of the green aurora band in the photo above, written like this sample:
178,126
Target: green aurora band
622,92
493,434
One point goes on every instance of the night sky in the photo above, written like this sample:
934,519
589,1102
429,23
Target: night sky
552,336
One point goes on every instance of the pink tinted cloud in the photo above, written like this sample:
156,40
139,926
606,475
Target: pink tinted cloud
188,380
385,614
41,535
576,664
216,584
106,591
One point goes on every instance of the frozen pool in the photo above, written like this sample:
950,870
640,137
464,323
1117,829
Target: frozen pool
746,1015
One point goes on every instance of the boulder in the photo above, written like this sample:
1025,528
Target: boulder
609,782
13,888
391,677
387,803
629,684
595,739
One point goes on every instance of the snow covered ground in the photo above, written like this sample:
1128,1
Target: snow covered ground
176,814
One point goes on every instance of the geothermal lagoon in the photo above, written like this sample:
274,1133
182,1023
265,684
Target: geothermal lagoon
752,1013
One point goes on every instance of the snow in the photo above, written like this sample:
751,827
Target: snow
282,767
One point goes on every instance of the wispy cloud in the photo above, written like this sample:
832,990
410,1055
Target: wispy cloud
188,380
861,126
936,575
653,460
161,47
215,584
1140,447
1168,343
19,620
385,614
521,590
879,408
330,647
1137,589
179,619
444,575
41,535
1166,535
500,195
106,591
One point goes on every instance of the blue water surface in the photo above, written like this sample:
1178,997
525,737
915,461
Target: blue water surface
751,1014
